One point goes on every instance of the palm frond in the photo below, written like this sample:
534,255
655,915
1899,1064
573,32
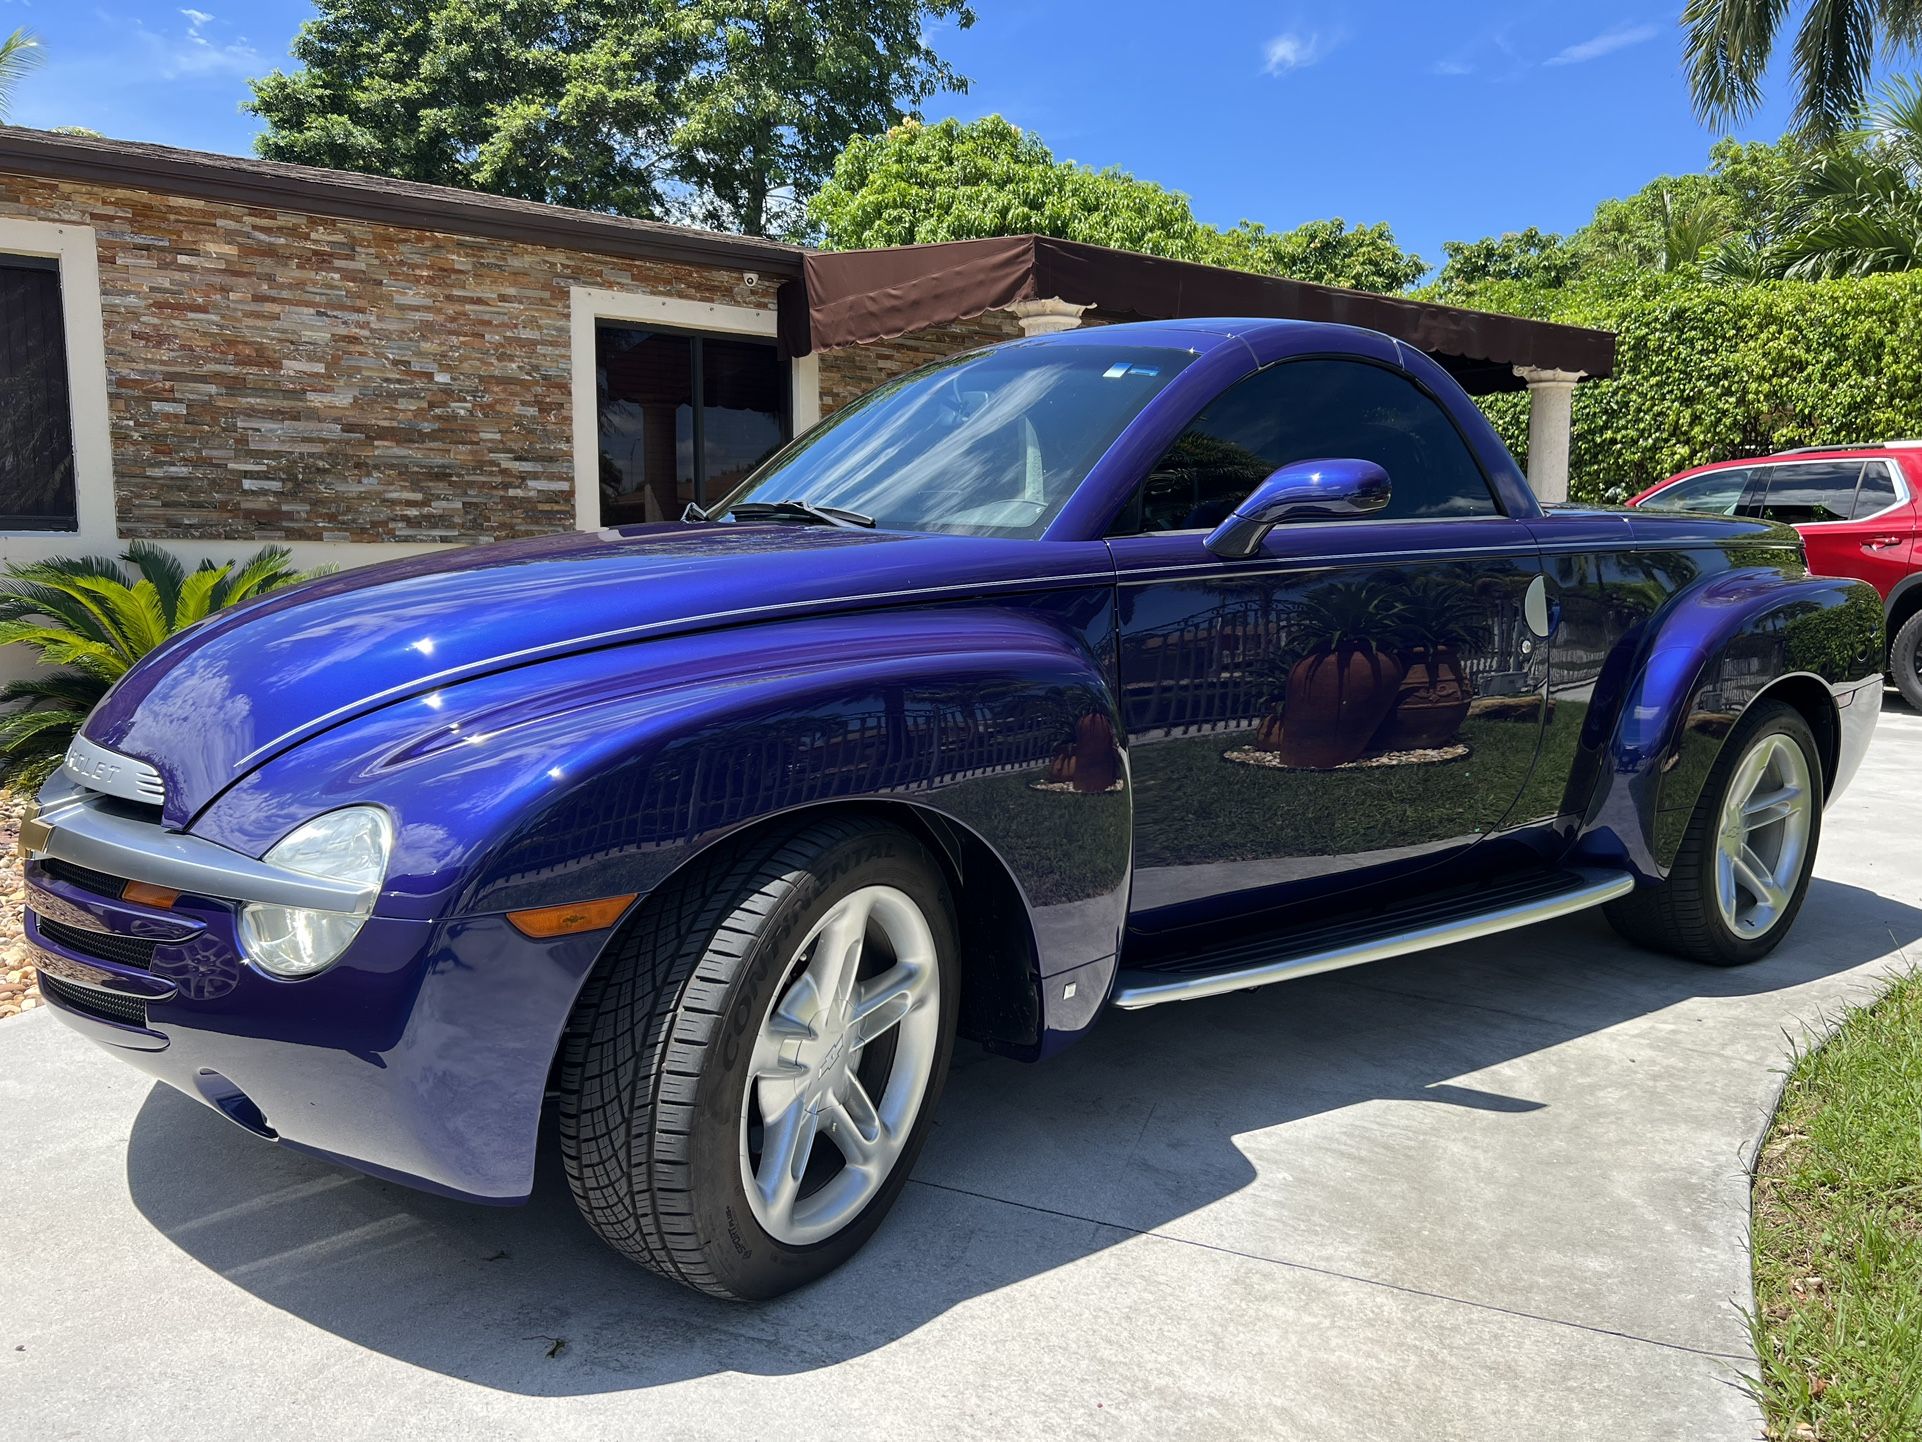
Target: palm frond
1727,48
19,53
1834,49
74,689
197,595
160,568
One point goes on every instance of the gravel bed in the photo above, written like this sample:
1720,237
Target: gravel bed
19,985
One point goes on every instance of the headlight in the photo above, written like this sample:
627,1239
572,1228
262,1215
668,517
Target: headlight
348,845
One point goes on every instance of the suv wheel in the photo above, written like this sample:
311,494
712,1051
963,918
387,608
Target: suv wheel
1905,660
1745,860
754,1065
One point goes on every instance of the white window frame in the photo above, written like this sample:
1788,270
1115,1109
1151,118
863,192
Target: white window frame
590,305
72,248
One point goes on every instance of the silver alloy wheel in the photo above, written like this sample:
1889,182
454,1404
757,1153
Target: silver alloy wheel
813,1083
1764,835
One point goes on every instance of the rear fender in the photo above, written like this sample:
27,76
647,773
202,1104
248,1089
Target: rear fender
1693,672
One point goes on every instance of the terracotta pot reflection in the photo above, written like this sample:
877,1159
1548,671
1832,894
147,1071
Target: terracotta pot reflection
1336,702
1431,705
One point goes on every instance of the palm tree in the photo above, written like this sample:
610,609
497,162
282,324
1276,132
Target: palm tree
92,619
19,53
1689,227
1857,205
1730,44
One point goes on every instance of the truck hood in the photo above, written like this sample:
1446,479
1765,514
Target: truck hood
224,697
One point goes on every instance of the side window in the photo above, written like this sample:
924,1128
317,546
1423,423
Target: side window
36,421
1803,493
1303,411
1714,494
1876,493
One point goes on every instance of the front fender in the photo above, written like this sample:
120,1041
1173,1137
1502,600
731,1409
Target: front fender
602,774
1692,671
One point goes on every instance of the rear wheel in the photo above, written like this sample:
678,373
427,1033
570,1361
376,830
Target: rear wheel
1905,660
1744,863
752,1070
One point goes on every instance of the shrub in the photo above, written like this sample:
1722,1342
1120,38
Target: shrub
91,619
1705,373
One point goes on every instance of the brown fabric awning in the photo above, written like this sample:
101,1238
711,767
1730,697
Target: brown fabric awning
857,296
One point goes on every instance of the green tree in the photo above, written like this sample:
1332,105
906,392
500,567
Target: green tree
1731,42
1531,257
19,53
725,112
953,181
1328,252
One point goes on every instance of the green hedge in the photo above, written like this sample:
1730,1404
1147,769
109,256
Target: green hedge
1706,373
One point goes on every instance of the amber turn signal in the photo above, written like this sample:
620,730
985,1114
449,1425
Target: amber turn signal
143,893
542,922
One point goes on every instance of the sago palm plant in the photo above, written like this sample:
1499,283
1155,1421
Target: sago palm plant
91,619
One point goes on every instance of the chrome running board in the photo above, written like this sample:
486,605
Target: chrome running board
1426,923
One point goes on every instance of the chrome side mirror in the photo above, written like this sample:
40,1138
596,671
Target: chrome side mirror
1324,490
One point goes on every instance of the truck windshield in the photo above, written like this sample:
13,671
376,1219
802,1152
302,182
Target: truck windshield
988,443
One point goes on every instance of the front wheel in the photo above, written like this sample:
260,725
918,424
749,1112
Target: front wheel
753,1068
1745,860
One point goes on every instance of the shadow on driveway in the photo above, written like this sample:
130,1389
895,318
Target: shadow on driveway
1129,1131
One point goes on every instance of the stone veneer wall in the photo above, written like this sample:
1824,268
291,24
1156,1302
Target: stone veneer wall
852,371
274,375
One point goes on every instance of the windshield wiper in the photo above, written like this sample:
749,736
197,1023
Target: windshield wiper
797,510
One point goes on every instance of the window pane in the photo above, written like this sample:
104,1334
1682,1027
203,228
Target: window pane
742,411
1312,410
1809,491
1877,491
988,443
1715,494
36,422
646,383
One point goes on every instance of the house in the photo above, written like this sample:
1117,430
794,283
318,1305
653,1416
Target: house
217,353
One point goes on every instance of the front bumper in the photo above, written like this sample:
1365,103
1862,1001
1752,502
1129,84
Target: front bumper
422,1055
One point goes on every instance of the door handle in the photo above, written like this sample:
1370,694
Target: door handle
1879,543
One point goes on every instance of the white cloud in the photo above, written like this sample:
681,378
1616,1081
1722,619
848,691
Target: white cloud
1293,50
1607,43
1452,67
198,52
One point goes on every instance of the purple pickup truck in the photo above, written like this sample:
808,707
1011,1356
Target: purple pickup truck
1131,665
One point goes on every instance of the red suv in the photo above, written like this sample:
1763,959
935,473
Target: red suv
1856,509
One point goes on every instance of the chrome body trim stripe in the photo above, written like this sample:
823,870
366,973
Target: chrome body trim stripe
1596,888
93,766
634,633
86,830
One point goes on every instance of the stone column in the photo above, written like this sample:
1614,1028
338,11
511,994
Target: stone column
1043,317
1551,399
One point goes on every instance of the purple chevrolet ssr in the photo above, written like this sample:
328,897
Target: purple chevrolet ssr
1131,665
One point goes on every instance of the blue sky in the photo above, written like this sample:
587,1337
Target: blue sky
1448,121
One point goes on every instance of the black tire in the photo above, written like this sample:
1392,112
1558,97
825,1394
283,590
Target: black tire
1681,915
1905,660
654,1067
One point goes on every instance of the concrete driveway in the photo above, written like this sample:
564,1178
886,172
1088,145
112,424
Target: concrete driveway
1496,1191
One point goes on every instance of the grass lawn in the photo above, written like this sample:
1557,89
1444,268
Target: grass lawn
1838,1234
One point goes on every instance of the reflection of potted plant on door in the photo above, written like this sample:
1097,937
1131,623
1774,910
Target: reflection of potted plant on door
1343,639
1441,620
